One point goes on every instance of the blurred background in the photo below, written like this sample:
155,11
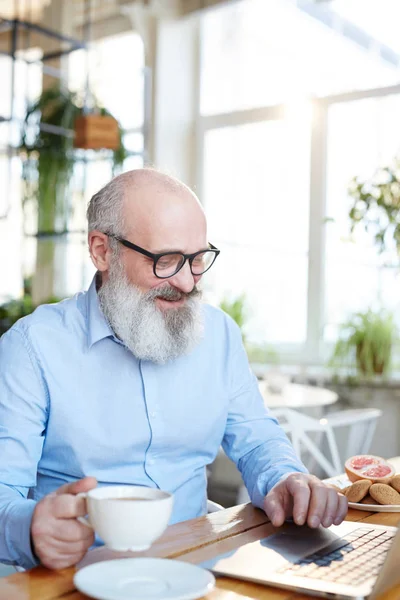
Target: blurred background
284,117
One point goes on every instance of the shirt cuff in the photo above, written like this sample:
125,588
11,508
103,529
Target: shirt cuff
18,533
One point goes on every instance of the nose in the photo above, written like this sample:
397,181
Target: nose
183,280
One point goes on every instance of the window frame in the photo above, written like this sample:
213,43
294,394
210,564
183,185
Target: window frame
314,351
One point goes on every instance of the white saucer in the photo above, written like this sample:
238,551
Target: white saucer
144,579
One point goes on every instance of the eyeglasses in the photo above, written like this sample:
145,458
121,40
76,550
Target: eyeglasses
167,264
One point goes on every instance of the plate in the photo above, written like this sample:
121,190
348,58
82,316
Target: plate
343,481
144,579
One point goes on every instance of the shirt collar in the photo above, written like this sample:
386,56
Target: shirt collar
98,327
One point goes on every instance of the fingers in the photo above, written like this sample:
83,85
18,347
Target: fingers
331,507
274,509
301,493
55,554
342,509
318,503
68,548
68,506
327,506
307,500
70,530
77,487
59,540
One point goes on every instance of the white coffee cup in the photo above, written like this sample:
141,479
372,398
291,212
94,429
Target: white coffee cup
128,517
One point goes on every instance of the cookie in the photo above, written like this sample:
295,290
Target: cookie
384,494
395,483
368,500
358,491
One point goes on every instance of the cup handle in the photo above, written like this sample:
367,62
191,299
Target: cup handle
84,520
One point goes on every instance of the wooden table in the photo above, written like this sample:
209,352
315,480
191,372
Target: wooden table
198,539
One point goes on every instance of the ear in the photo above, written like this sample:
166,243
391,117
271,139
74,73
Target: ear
99,249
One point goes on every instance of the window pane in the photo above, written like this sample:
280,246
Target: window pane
378,18
10,229
120,90
363,135
257,201
133,142
265,52
5,96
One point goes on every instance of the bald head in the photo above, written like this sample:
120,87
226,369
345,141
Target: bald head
158,215
141,198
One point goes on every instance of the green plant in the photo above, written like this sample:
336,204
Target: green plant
48,158
262,353
366,341
236,309
376,206
13,310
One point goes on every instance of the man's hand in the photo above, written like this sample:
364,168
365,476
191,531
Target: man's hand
58,539
306,499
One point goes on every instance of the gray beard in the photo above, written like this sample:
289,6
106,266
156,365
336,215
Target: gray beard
148,332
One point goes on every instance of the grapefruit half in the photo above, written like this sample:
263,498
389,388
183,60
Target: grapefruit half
367,466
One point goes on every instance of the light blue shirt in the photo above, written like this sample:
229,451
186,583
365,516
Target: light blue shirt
74,401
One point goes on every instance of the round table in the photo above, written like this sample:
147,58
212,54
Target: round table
297,395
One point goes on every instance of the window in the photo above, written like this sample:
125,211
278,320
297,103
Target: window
26,87
362,136
121,91
257,205
295,100
264,52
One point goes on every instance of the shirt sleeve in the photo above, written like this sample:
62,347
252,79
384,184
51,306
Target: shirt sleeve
23,415
253,438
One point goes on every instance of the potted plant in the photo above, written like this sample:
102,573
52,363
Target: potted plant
376,206
15,309
48,154
366,340
237,310
48,157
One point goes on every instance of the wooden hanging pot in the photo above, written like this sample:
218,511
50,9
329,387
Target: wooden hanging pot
95,132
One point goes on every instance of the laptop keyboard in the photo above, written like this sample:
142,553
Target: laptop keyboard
349,560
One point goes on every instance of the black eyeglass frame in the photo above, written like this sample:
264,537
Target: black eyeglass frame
156,257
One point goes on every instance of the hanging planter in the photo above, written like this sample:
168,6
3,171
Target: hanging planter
96,131
48,155
48,158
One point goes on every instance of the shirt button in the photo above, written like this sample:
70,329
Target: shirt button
150,461
153,415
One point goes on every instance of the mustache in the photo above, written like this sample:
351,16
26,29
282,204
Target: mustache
172,294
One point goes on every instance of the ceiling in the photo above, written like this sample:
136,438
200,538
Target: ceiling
22,9
107,17
32,10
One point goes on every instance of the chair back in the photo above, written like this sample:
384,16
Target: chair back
315,441
354,430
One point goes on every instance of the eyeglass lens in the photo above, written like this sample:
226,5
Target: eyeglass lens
169,264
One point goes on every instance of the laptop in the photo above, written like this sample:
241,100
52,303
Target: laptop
351,560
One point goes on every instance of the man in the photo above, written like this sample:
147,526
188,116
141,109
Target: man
136,382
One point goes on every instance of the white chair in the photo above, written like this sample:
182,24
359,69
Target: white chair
213,506
361,424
